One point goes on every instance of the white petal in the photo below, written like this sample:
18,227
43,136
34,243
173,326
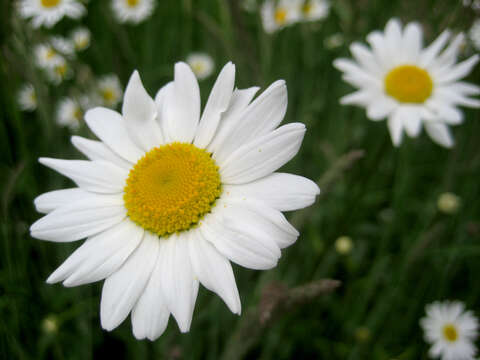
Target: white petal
178,285
109,127
281,191
181,108
440,133
449,56
381,108
355,74
263,155
150,314
122,289
412,121
430,53
393,40
262,116
99,256
96,176
364,57
217,104
96,150
214,271
53,199
160,99
140,114
80,219
460,70
361,97
380,49
412,41
395,126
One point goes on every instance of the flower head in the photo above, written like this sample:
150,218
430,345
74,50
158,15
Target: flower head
27,98
448,203
132,11
109,91
81,38
450,330
49,12
344,245
313,10
276,16
202,65
69,113
474,34
410,85
170,196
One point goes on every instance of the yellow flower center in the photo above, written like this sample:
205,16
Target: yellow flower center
409,84
171,188
450,332
51,53
50,3
132,3
307,8
108,95
77,114
61,70
280,16
198,67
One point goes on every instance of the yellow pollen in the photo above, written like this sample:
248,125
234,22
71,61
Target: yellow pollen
307,8
132,3
171,188
450,332
409,84
280,16
50,3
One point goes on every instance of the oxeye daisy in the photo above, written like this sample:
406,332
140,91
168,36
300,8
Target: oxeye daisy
59,71
27,98
474,34
313,10
109,91
410,85
170,196
46,56
69,113
49,12
202,65
450,330
132,11
277,15
81,38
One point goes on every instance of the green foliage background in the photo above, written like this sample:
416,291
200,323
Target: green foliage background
406,254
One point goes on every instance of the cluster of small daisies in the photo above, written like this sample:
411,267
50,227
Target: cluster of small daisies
277,15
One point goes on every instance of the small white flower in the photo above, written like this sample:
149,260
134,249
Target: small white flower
313,10
109,91
344,245
448,203
202,65
133,11
410,86
69,113
81,38
450,330
46,56
27,98
59,71
49,12
474,34
171,195
63,46
276,16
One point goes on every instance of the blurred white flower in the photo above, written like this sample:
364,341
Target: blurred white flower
313,10
474,34
46,56
63,46
109,91
202,65
49,12
334,41
69,113
448,203
59,71
27,98
344,245
81,38
410,86
450,330
133,11
50,325
277,15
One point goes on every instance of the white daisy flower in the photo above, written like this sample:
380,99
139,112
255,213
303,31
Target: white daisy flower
276,16
313,10
400,80
49,12
202,65
69,113
170,196
59,71
81,38
474,34
27,98
46,56
109,91
63,46
132,11
450,330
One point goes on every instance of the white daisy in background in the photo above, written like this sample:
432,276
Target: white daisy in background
63,46
170,196
313,10
46,56
202,65
410,86
450,330
69,113
81,38
277,15
474,34
49,12
59,71
133,11
27,98
109,91
448,203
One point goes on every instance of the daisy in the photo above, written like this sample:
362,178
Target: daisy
27,98
69,113
46,56
81,38
276,16
63,46
133,11
313,10
474,34
109,91
59,71
49,12
202,65
410,85
170,196
450,330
